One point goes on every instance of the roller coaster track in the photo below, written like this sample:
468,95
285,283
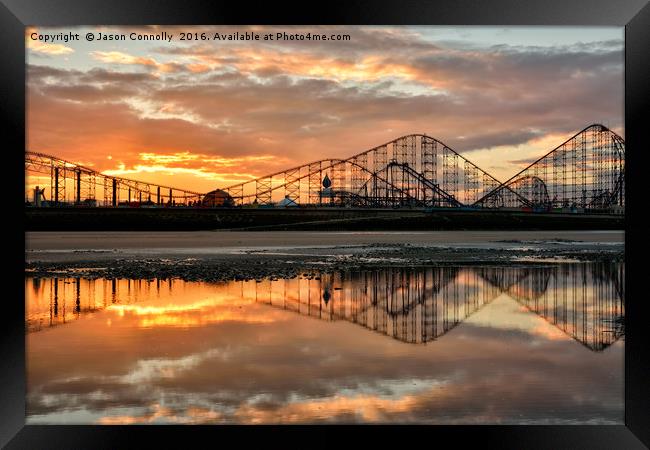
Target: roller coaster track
86,180
419,154
587,171
416,170
415,305
421,305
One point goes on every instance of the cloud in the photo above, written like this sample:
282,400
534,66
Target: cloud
325,100
120,58
48,49
39,47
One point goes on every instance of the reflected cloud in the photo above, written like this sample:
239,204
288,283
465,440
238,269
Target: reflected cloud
300,350
363,408
149,369
164,415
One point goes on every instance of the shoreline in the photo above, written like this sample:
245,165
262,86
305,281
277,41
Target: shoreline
222,256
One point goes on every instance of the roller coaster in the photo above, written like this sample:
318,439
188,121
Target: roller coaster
585,173
583,301
412,305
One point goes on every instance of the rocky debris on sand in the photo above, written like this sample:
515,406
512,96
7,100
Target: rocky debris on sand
260,266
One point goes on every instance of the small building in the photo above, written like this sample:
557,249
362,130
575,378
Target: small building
217,198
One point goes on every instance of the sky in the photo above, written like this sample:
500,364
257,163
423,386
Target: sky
202,115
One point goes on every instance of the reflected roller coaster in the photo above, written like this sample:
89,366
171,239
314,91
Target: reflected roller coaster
585,173
585,302
412,305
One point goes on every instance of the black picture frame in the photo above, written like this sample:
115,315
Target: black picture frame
633,14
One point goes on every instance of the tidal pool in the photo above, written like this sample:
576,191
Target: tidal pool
516,344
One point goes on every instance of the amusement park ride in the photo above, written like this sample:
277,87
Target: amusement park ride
585,173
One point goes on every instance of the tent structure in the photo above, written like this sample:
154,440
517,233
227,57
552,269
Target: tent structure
286,202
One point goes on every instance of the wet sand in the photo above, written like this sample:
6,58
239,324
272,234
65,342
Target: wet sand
224,255
210,241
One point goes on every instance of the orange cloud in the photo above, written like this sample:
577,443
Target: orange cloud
187,156
278,105
161,413
38,46
159,169
197,313
114,57
198,68
369,68
543,329
368,408
48,49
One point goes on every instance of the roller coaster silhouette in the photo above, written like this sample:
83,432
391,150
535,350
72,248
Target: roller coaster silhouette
412,305
584,301
583,174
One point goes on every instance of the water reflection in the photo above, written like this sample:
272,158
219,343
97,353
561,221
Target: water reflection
584,301
338,347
